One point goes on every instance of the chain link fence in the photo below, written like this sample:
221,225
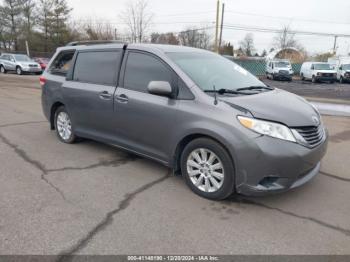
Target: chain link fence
258,66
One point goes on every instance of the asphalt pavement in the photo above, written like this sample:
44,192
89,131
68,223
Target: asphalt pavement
91,198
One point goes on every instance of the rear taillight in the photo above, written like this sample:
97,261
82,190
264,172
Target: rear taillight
42,81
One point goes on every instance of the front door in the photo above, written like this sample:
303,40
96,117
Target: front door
145,122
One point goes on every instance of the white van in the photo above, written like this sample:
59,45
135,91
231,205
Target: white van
318,71
279,69
342,66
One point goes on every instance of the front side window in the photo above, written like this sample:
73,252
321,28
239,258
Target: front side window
141,69
97,67
209,70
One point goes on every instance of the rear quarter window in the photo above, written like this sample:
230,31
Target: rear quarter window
97,67
62,63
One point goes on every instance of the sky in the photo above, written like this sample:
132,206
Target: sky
176,15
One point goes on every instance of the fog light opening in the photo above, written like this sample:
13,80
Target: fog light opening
268,181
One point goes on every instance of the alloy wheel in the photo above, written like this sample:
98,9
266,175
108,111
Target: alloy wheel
205,170
64,126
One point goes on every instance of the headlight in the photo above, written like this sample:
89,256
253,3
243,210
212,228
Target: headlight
267,128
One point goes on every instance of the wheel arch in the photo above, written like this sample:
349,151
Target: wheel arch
185,141
53,109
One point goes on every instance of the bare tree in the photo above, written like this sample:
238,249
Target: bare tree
95,29
195,37
29,13
285,39
138,19
167,38
247,45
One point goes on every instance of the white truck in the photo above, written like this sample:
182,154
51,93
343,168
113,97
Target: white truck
342,66
19,64
280,69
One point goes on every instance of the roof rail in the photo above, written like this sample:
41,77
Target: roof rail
95,42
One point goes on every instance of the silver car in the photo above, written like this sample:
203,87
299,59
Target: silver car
19,64
192,110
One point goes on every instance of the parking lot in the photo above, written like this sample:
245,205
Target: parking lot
324,91
90,198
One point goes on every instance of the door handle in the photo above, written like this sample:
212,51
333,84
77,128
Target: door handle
105,95
122,98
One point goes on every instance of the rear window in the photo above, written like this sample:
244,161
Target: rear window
97,67
62,63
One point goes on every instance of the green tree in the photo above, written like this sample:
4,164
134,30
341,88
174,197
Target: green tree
10,12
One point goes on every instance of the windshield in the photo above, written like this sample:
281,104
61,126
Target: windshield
22,58
282,64
346,67
208,70
322,67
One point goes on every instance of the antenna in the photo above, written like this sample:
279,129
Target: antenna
215,96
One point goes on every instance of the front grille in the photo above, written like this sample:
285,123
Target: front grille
32,65
312,134
284,72
327,74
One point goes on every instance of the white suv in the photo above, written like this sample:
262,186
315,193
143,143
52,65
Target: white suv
279,69
318,71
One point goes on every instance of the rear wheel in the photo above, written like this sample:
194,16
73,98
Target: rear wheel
208,169
19,70
63,126
2,69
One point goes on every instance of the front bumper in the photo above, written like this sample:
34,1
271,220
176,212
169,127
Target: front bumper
282,76
32,69
326,78
271,166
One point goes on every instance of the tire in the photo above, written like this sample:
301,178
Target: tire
38,73
19,70
2,69
341,80
302,77
273,77
64,127
203,172
313,79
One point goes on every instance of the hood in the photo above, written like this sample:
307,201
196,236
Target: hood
326,71
278,106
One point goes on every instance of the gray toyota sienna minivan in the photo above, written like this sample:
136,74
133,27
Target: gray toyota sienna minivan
194,111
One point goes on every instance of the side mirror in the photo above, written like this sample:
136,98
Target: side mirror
160,88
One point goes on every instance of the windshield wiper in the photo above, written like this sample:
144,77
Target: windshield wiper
227,91
255,88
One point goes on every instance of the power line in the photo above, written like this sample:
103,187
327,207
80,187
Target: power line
289,18
274,30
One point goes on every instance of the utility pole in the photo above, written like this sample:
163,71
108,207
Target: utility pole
217,26
27,48
115,33
335,44
222,24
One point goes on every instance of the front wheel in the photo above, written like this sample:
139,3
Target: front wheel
208,169
341,80
64,127
302,77
2,69
313,79
19,70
